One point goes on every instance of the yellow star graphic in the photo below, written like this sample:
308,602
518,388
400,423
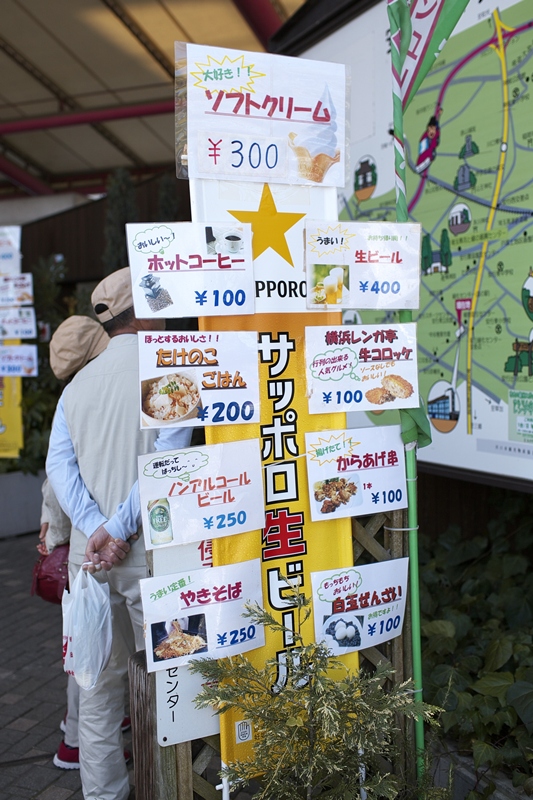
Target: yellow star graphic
269,226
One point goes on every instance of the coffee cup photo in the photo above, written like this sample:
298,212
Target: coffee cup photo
233,242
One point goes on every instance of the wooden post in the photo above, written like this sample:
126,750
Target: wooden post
161,773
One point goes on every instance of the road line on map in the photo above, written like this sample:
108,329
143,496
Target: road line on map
500,51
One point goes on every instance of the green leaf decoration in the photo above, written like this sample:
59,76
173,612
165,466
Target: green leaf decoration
495,684
483,754
498,653
439,627
520,696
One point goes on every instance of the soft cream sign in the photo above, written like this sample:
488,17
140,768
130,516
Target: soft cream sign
262,117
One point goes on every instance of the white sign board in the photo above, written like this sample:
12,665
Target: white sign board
359,607
176,687
361,367
355,472
208,490
10,259
18,323
198,613
191,378
362,265
19,361
262,117
16,290
277,214
187,269
10,236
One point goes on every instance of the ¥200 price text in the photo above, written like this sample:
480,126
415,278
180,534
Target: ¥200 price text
232,412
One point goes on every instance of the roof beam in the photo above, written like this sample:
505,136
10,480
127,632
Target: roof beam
262,18
65,99
20,177
142,37
86,117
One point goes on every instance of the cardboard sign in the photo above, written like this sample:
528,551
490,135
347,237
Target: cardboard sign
362,265
19,361
198,613
182,269
16,290
208,490
193,378
355,472
18,323
261,117
361,367
359,607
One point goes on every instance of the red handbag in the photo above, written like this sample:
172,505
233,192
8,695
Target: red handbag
50,575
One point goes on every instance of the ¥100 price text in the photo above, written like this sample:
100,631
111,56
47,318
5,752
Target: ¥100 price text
225,298
387,497
344,398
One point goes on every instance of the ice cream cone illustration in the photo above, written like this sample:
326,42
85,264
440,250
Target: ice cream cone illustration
316,147
312,168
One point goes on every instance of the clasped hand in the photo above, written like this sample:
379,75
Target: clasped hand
103,551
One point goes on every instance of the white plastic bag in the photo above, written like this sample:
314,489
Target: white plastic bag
87,632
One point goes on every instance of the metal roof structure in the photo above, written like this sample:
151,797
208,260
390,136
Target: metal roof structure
88,85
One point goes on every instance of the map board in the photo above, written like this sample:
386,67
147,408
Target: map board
469,147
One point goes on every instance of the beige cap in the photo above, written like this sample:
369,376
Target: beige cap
76,341
113,295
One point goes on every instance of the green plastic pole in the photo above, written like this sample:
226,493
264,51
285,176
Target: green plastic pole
402,215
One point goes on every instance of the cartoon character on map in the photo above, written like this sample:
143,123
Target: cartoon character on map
429,141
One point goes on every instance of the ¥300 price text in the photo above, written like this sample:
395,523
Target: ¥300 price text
254,155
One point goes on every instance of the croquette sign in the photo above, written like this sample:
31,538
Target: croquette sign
361,367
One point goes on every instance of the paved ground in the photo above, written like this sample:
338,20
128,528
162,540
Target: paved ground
32,684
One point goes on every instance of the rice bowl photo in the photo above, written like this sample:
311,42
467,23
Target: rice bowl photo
169,399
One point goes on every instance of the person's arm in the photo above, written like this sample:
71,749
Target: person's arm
126,520
64,475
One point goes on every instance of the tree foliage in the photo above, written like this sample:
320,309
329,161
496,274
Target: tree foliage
477,606
121,208
325,732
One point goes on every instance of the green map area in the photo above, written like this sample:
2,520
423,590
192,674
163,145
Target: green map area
473,195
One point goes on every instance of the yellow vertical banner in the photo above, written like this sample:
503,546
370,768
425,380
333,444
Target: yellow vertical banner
290,545
11,432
